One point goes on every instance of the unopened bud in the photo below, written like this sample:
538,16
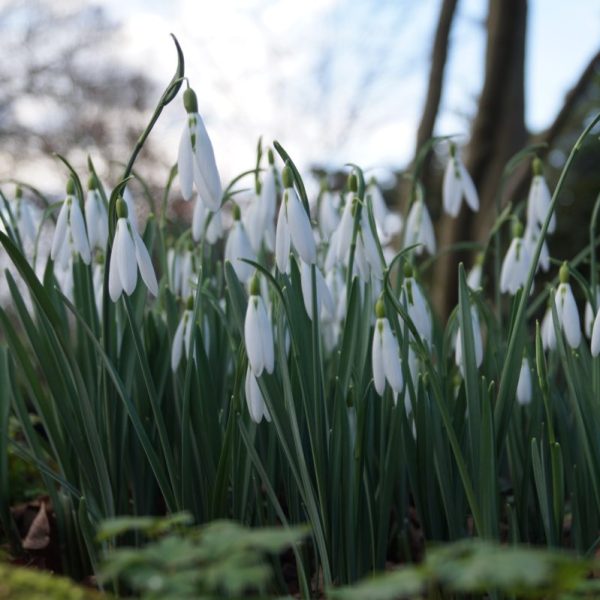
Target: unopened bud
537,166
563,274
122,210
190,102
380,309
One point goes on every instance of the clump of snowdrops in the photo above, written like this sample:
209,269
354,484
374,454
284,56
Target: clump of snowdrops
278,361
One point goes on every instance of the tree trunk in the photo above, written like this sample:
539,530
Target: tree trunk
498,132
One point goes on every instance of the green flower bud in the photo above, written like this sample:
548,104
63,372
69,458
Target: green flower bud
255,285
122,210
287,176
537,166
479,259
190,102
189,305
18,192
92,183
380,309
563,274
408,270
353,183
517,229
270,157
237,213
70,186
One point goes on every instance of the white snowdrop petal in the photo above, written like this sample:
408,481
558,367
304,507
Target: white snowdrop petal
306,285
253,337
80,240
451,189
177,345
185,164
60,232
115,287
266,334
566,308
595,343
206,174
377,358
344,231
301,232
468,187
131,212
282,241
547,331
254,397
391,359
524,383
145,263
124,248
198,219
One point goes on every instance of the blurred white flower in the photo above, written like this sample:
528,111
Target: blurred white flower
589,313
475,274
128,253
324,298
595,343
96,216
182,338
458,184
539,199
419,228
329,218
258,333
70,236
196,161
524,383
566,309
293,225
388,223
548,332
385,355
201,216
530,238
238,247
477,343
515,266
24,216
254,399
412,297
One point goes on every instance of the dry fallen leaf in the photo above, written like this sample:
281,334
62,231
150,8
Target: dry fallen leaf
38,536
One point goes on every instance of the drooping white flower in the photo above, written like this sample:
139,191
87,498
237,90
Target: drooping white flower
128,253
524,383
539,199
412,297
254,399
24,216
589,313
388,223
458,184
98,283
200,218
96,216
547,331
595,342
530,238
182,337
419,228
475,274
131,212
385,355
238,247
196,161
345,228
293,225
258,333
70,236
566,309
329,218
324,299
477,343
515,265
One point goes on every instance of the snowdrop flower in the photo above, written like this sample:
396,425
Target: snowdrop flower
264,208
343,233
419,228
547,331
200,218
238,247
539,199
458,184
183,335
412,297
532,234
476,272
589,313
293,226
324,298
128,253
254,399
96,216
524,383
515,266
196,161
131,212
70,236
388,223
566,309
24,216
477,342
98,283
595,344
385,355
258,333
329,218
